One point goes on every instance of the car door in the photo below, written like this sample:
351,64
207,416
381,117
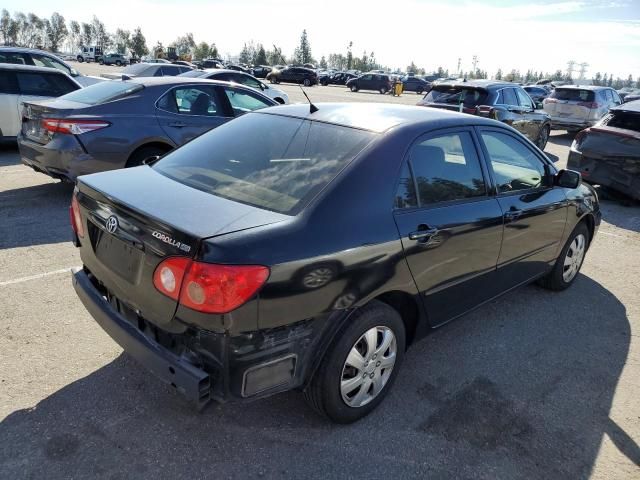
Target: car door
365,82
449,223
9,104
531,121
187,111
535,212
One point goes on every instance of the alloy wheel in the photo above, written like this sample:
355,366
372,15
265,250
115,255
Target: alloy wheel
573,258
368,366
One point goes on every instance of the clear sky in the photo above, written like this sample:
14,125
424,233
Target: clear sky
521,34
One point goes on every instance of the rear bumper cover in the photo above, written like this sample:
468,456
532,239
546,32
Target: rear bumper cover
205,365
192,382
560,123
615,174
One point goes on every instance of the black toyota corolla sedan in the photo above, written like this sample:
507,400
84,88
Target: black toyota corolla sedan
313,255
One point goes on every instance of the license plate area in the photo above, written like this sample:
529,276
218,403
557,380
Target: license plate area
122,258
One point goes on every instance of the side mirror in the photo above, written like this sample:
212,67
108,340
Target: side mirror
74,72
568,179
263,87
539,105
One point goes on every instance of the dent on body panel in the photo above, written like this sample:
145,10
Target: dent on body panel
307,288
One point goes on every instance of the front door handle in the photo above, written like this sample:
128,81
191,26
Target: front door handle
423,234
177,124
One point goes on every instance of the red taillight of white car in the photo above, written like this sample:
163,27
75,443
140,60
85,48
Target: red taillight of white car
207,287
72,127
76,218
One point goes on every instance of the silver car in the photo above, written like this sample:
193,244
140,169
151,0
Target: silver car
573,107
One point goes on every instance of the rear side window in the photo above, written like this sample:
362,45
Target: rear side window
470,97
286,163
192,100
103,92
573,94
446,168
8,82
44,84
15,58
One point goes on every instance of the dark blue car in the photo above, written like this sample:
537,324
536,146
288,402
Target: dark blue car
116,124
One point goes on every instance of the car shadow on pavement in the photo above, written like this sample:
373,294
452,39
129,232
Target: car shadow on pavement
626,217
9,154
35,215
521,388
564,139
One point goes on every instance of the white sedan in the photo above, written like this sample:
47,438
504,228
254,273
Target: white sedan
242,79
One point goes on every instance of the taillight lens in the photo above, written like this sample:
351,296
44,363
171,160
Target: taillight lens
206,287
168,276
73,127
575,145
550,100
76,218
589,104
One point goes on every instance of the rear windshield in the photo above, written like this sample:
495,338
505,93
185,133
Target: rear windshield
103,92
286,163
136,69
455,95
574,94
626,120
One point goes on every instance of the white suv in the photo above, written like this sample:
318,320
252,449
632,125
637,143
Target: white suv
21,83
573,107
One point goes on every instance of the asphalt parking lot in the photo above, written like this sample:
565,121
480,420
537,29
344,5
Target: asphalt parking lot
534,385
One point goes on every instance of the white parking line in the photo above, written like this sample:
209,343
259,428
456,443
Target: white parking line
35,277
610,234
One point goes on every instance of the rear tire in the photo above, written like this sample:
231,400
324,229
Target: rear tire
338,381
306,82
139,156
101,62
569,262
383,90
353,88
118,63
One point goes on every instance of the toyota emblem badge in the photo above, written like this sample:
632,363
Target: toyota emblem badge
111,224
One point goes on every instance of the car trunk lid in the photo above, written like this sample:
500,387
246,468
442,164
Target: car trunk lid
136,218
34,112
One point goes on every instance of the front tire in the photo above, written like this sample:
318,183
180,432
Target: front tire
569,262
306,82
360,366
353,88
118,63
543,137
383,90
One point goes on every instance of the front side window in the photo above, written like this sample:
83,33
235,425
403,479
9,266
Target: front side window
366,77
447,168
286,163
515,166
524,99
248,81
243,102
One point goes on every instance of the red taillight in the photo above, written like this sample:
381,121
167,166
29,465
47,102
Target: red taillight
74,127
207,287
550,100
589,104
76,218
168,276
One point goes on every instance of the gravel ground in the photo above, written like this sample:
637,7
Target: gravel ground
534,385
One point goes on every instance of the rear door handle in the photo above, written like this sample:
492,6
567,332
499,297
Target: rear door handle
423,234
512,215
177,124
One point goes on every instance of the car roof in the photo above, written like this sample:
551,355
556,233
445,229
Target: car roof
632,106
153,81
582,87
29,68
376,117
486,84
25,50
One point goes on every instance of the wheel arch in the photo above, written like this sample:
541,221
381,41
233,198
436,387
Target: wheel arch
153,143
407,307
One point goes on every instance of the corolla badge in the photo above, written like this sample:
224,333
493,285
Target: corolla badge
167,239
111,224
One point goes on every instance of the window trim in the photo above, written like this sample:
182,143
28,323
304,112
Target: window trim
549,167
488,180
